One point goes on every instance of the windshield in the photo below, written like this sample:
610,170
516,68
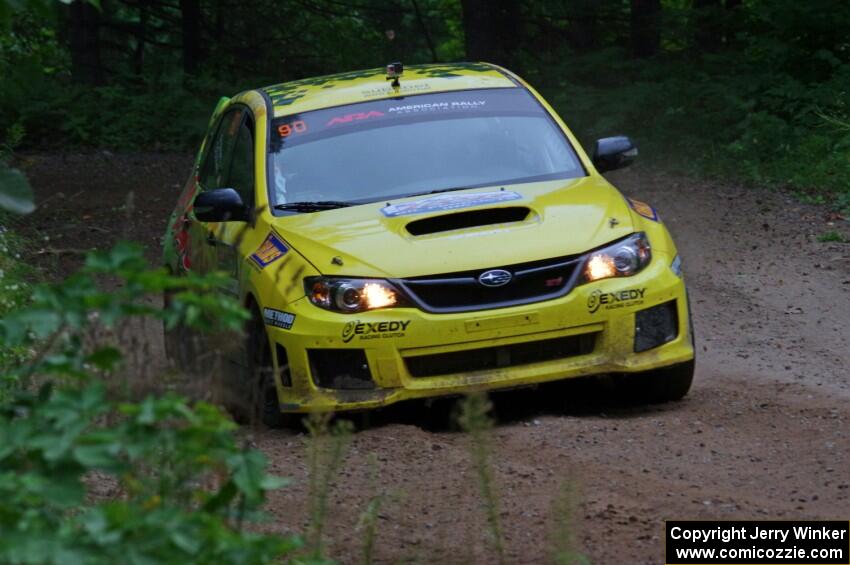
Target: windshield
415,145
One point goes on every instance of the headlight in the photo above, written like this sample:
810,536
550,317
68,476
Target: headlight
622,259
350,296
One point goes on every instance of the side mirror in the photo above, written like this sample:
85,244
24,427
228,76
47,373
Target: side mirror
611,153
220,205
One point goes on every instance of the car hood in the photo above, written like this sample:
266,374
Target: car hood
564,217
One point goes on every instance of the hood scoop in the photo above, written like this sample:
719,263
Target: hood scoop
468,219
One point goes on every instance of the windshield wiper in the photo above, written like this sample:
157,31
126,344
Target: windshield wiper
437,191
312,206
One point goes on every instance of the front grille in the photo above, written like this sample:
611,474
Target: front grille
501,356
461,292
341,369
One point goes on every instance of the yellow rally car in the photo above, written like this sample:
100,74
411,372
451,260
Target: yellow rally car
408,233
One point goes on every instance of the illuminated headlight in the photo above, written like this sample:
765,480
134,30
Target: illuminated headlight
352,295
622,259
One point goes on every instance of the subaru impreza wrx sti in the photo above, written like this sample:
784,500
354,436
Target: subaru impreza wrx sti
409,233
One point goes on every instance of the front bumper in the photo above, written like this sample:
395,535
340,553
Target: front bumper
407,351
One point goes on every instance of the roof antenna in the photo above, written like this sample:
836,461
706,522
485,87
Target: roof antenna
394,71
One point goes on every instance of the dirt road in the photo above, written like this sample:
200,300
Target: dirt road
765,432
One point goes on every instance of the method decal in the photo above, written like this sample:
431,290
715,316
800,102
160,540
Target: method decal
376,330
449,202
278,318
270,251
643,209
612,300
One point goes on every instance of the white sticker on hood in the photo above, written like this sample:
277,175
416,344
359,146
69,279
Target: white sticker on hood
449,202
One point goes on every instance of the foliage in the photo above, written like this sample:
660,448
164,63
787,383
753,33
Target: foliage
16,195
185,485
159,114
474,420
15,192
563,535
88,479
368,522
831,237
767,105
326,449
60,316
146,99
15,277
755,91
736,120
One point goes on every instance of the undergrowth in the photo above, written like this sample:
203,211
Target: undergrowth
475,421
15,281
88,478
737,119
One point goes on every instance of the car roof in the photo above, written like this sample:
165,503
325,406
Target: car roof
362,86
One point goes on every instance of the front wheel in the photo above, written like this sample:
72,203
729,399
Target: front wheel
178,342
670,383
660,385
262,389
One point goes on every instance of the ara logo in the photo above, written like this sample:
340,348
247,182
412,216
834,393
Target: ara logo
348,118
611,300
373,330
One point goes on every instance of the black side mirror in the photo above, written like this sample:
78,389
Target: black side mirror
220,205
611,153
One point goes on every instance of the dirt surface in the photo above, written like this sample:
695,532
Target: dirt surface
765,432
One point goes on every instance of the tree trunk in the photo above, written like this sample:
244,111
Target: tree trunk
491,29
86,67
731,25
708,24
190,11
425,31
646,27
141,34
582,32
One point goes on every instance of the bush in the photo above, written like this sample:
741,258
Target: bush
88,479
181,488
725,115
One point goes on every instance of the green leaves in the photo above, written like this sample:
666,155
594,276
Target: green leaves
250,478
160,456
86,479
59,316
15,192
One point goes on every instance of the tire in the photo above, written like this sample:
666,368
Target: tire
262,392
668,384
178,342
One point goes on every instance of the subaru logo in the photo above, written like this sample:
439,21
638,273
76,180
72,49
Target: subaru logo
496,277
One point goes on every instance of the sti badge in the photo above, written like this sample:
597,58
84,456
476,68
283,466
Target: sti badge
270,251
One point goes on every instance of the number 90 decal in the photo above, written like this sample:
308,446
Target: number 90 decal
297,126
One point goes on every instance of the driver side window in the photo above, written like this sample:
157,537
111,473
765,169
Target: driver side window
241,175
216,167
